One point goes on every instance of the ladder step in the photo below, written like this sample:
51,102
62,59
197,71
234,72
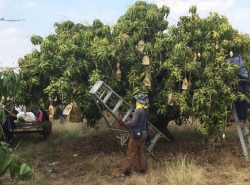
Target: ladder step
123,131
96,87
127,114
107,97
111,123
98,101
124,137
244,146
117,106
102,94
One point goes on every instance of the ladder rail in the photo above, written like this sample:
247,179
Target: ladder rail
123,137
152,144
100,83
152,126
114,115
239,130
110,111
127,114
100,110
247,133
108,96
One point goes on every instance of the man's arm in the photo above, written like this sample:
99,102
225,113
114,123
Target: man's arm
134,120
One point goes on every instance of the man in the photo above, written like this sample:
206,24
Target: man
9,125
136,145
51,112
241,106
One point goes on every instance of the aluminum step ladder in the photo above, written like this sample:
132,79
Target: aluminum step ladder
113,108
243,133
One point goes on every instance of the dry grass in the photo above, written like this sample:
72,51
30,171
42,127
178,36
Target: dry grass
90,156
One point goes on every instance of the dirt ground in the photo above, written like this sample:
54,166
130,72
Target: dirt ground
98,155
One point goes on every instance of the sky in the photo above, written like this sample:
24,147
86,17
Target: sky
40,15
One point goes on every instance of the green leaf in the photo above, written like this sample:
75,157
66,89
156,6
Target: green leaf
24,173
5,160
24,177
2,116
14,165
6,147
24,169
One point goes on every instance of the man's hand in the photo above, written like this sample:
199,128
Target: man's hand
121,123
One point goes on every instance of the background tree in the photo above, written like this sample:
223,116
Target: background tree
9,87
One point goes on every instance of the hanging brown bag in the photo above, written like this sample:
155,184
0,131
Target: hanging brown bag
185,84
146,81
145,60
140,46
170,99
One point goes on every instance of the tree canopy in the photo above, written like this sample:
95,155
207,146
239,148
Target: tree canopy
190,53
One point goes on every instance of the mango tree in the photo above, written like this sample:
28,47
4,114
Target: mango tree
66,65
196,61
186,62
140,53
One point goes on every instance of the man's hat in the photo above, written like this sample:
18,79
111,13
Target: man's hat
8,99
142,98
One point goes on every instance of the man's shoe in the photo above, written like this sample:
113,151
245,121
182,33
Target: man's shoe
127,173
142,171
